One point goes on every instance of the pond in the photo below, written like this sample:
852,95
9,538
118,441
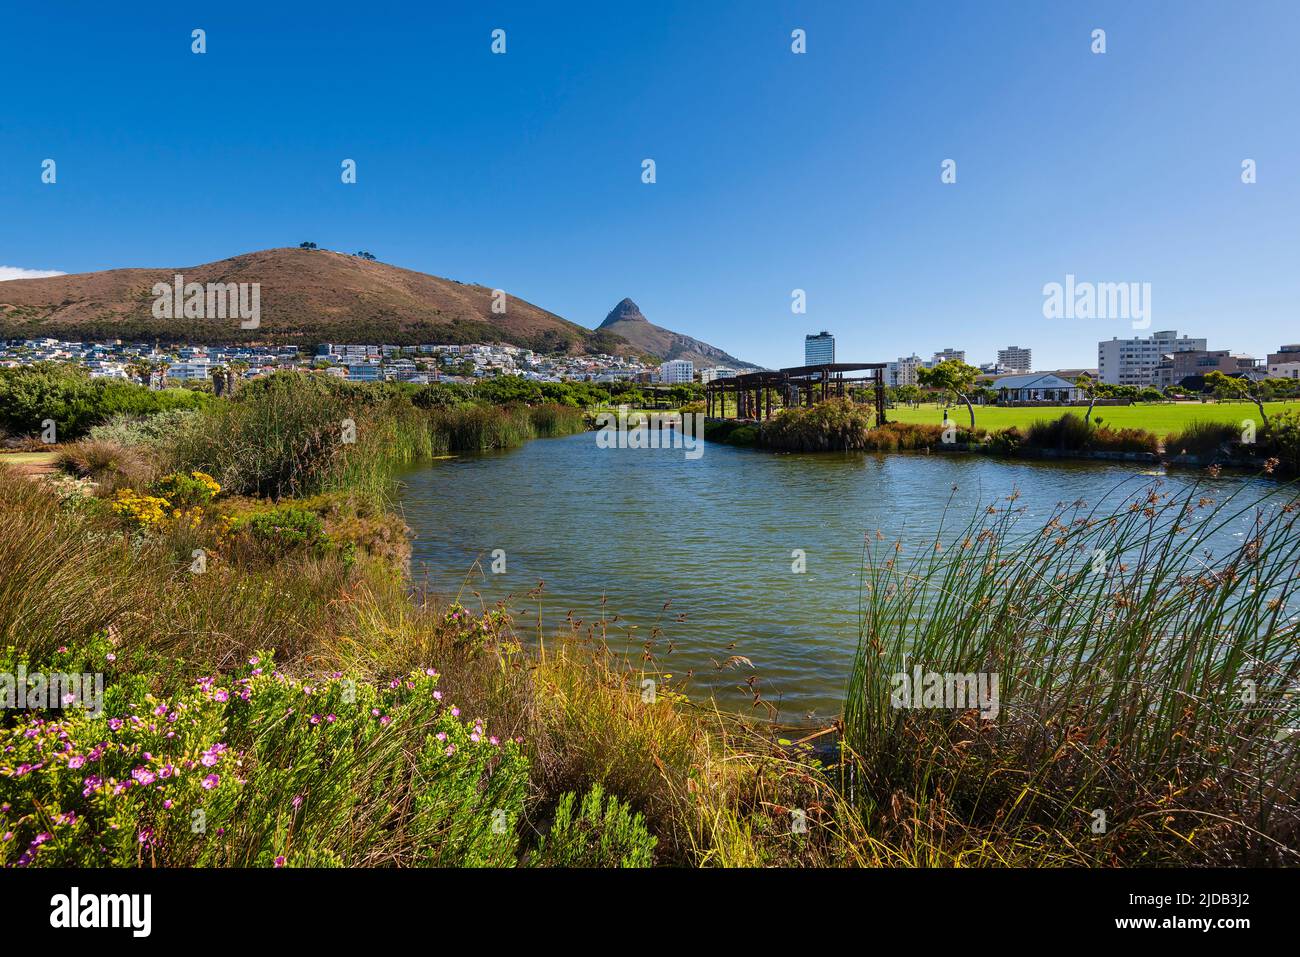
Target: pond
717,538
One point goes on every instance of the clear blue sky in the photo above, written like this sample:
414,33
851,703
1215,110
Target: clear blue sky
775,171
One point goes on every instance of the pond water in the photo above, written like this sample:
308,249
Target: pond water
715,536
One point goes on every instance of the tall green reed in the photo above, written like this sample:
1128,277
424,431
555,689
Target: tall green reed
1142,673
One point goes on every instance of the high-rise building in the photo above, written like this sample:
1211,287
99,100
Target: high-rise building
943,355
1137,361
1015,359
676,371
819,350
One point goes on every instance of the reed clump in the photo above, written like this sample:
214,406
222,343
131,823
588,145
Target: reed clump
1146,707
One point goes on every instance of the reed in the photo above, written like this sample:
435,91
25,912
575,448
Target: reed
1140,676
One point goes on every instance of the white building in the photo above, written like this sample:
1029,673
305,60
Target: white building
192,369
903,371
943,355
1137,361
1284,370
676,371
1036,387
1015,359
717,372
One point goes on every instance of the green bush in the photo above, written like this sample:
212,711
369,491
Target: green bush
605,833
833,425
281,530
151,430
1070,433
64,393
1202,438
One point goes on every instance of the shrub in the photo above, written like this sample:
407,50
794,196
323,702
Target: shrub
605,833
281,530
108,464
143,511
151,430
260,769
294,434
184,491
1070,433
31,394
1283,437
834,425
1202,438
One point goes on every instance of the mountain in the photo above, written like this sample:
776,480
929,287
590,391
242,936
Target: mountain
628,323
306,296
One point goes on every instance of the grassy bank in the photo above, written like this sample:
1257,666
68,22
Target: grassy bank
291,690
1158,418
842,426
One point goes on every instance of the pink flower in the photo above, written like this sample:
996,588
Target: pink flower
297,801
211,781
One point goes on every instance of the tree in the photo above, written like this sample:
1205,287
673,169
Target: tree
908,394
306,245
1233,387
1091,388
955,377
369,257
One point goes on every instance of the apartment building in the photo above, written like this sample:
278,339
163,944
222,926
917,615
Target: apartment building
1015,359
676,371
902,371
1177,366
1137,361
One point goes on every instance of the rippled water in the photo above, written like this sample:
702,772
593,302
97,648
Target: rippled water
714,536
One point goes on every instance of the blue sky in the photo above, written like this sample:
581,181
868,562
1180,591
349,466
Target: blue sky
775,171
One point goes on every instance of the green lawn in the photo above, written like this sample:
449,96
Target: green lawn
1160,418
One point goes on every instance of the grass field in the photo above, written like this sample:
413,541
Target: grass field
1160,418
27,458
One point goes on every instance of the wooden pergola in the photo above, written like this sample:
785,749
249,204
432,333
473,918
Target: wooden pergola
752,393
